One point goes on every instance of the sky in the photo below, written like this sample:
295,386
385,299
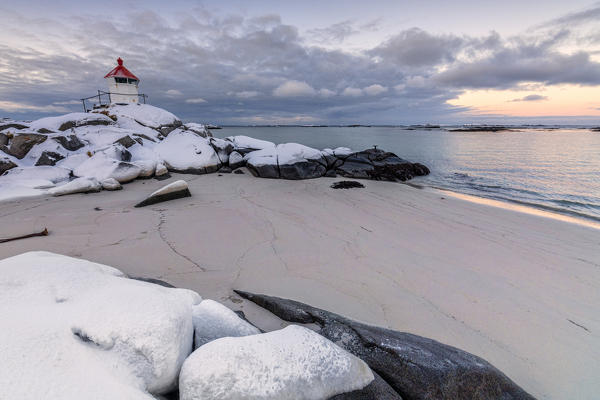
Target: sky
241,62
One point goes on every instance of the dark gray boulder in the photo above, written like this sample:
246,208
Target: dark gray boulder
70,142
264,171
376,390
49,158
414,366
308,169
21,144
125,141
5,165
379,165
44,130
3,139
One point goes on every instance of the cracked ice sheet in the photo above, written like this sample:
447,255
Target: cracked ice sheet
83,330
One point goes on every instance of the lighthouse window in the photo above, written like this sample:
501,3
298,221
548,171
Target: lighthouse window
132,80
120,80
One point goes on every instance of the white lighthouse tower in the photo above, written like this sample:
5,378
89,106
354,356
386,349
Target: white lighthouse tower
122,85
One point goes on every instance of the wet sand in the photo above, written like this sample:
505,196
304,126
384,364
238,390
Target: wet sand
518,289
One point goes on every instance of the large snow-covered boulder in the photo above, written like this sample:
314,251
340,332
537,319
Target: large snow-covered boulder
292,363
212,320
80,330
188,153
287,161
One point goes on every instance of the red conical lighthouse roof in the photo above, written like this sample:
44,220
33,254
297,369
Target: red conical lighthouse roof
121,71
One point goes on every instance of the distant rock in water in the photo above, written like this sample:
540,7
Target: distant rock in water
482,128
176,190
347,185
416,367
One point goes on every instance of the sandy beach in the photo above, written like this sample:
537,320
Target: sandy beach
520,290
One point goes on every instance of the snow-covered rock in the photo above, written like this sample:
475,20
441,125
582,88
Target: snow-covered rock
68,121
198,129
161,170
292,363
212,320
287,161
80,330
147,167
79,185
101,167
145,114
176,190
43,175
183,152
244,144
236,160
111,184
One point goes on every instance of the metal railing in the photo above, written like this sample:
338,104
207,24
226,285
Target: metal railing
104,99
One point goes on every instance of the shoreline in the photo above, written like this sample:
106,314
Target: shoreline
507,286
514,205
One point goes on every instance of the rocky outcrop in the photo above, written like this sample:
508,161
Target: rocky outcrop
300,162
13,125
125,141
21,144
71,142
379,165
3,139
414,366
49,158
5,165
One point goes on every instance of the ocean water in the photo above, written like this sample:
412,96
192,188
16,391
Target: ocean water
551,168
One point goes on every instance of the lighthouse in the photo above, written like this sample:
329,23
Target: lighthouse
122,85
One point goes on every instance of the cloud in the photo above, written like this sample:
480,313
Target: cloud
531,97
294,89
352,92
326,93
375,89
243,68
173,93
588,15
247,94
415,48
333,33
10,106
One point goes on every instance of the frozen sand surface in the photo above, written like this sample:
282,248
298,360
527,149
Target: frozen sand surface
519,290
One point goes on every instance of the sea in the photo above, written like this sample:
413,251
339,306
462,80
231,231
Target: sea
553,168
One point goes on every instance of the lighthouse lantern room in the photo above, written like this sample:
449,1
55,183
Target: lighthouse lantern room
122,85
